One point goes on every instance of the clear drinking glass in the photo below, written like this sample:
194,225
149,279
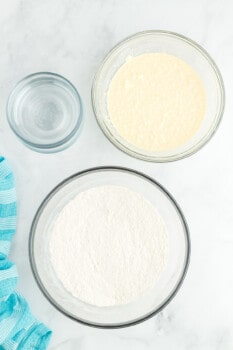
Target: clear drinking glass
45,112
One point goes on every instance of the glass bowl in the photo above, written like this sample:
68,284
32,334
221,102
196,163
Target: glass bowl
45,111
115,316
179,46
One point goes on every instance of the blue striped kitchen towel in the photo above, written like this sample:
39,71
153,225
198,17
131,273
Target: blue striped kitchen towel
18,328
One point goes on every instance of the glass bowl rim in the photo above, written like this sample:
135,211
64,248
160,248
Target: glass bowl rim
203,141
33,263
11,100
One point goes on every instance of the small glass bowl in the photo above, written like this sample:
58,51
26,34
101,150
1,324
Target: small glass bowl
45,111
170,279
179,46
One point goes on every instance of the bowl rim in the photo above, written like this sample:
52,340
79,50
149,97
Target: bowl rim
203,141
49,147
33,263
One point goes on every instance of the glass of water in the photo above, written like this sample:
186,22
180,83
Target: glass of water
45,111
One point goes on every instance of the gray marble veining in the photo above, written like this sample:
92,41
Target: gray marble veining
71,38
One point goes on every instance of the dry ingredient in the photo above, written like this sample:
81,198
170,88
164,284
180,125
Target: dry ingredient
108,246
156,101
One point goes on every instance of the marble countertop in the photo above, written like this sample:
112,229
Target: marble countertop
71,38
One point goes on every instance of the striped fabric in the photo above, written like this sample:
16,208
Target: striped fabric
18,328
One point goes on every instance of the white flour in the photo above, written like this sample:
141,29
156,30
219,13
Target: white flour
108,246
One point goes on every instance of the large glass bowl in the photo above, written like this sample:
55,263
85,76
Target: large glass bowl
179,46
115,316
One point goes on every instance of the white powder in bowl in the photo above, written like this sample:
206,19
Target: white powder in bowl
156,102
108,246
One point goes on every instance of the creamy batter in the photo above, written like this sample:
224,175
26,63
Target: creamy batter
156,102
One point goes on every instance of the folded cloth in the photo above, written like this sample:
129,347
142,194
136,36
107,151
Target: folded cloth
18,328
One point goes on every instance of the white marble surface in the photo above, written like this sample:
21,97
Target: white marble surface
71,38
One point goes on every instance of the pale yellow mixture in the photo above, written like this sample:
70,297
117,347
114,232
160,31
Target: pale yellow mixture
156,101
